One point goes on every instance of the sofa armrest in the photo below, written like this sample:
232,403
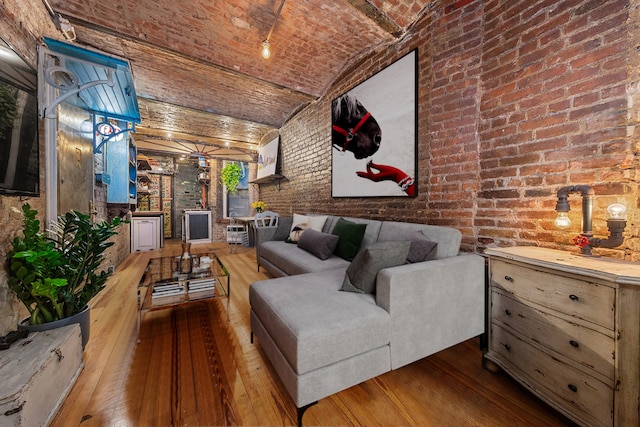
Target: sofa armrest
433,305
263,234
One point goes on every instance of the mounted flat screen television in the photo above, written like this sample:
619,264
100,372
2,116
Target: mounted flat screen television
19,161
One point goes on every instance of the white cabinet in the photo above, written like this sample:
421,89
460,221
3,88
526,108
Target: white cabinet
567,327
146,232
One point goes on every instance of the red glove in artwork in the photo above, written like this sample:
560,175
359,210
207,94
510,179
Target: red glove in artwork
389,173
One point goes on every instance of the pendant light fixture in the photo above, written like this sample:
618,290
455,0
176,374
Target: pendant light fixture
266,44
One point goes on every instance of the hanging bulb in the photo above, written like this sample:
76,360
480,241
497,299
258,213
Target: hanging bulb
616,211
562,221
266,49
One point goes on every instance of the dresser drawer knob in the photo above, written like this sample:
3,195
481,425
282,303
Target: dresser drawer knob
508,279
573,387
507,346
574,343
573,297
508,312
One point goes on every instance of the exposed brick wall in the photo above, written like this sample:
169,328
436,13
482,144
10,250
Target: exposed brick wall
450,119
553,113
516,99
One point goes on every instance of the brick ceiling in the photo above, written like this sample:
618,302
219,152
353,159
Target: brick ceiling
197,67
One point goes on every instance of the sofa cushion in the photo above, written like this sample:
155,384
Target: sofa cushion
293,260
302,222
361,274
351,235
284,228
448,238
313,324
318,243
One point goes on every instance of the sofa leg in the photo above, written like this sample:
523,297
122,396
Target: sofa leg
302,410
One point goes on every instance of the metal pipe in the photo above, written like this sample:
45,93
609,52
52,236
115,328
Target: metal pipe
585,240
587,194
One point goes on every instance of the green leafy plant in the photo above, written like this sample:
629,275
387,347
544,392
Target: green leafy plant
55,273
230,177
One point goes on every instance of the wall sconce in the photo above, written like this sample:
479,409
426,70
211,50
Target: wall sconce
616,222
266,44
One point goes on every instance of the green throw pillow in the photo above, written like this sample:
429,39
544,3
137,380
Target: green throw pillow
351,235
361,273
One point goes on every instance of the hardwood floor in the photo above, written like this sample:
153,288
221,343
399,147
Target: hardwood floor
195,365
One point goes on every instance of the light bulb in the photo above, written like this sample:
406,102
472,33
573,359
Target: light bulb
562,221
616,210
266,49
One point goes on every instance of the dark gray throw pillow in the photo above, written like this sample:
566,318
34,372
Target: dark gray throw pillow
422,249
361,273
318,243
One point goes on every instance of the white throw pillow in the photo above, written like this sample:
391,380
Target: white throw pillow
303,222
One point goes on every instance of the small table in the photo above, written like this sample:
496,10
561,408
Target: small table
173,280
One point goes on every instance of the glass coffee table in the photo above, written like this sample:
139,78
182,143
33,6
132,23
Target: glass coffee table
174,280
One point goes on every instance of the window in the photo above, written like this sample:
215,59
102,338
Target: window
236,205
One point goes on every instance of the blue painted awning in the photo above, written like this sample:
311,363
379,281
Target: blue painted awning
91,80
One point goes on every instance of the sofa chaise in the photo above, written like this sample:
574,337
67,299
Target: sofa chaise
322,340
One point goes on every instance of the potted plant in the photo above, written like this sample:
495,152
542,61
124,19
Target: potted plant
230,177
55,273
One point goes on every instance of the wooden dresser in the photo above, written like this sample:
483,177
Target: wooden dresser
567,327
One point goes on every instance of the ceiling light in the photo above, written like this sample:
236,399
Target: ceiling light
266,49
266,44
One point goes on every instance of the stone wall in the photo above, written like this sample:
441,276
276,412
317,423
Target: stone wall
516,100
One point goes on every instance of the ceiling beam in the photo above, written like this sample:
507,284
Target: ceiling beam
378,17
162,134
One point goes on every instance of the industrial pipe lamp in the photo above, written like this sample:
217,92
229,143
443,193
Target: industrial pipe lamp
616,222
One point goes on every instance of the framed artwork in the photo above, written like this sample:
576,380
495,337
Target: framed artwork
267,158
374,134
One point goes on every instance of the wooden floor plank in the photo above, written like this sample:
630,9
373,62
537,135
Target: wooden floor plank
196,365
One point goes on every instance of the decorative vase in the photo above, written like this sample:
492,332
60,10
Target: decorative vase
258,210
83,318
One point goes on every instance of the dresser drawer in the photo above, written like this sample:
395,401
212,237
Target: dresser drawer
592,350
582,395
582,299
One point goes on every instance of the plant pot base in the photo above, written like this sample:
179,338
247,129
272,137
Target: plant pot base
83,318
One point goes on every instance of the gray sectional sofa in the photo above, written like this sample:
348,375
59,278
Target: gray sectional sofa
322,340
